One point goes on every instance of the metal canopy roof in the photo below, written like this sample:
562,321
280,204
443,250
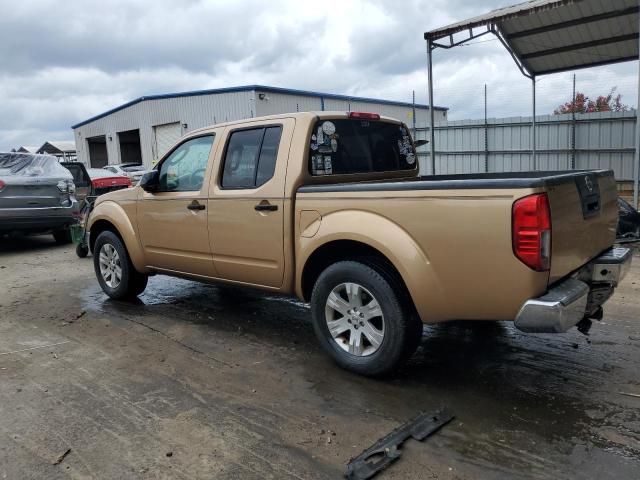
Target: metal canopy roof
549,36
58,147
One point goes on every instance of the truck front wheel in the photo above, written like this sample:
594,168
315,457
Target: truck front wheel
361,320
116,274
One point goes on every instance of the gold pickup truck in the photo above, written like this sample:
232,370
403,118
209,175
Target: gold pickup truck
330,207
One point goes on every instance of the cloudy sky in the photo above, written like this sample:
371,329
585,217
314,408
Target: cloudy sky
64,61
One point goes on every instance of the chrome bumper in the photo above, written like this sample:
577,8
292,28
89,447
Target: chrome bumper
575,298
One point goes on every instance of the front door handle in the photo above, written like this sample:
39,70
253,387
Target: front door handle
266,207
196,206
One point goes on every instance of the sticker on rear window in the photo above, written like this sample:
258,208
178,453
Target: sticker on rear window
317,163
404,144
328,169
329,128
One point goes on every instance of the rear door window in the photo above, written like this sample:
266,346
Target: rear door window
250,159
360,146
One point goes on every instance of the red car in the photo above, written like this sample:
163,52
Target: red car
94,181
103,181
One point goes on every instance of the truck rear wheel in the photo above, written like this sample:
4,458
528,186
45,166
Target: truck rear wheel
361,320
116,274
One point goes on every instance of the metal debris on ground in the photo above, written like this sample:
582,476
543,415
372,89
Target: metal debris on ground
387,450
62,456
635,395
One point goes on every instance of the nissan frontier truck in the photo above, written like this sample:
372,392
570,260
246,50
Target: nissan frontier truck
331,207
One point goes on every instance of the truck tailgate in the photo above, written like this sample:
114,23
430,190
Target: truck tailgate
584,215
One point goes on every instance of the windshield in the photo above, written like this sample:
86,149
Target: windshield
134,168
360,146
27,165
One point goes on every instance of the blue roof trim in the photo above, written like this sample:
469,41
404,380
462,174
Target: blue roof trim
246,88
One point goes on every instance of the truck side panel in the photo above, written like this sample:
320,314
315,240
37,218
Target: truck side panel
464,238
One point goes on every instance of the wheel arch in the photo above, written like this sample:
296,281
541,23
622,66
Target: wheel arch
109,216
342,250
350,234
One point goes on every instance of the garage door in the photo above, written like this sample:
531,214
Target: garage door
167,136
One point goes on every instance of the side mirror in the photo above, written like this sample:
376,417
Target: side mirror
419,143
150,181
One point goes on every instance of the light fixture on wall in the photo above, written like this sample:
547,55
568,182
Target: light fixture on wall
110,138
263,96
184,125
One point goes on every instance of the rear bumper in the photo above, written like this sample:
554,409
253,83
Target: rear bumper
37,219
575,298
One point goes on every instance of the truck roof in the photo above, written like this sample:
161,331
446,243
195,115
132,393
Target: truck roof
307,116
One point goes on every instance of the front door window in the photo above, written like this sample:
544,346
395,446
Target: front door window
183,170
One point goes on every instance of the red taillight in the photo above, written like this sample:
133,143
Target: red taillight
531,219
364,115
2,184
107,182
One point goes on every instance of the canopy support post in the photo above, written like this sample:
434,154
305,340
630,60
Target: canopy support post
636,156
533,124
432,136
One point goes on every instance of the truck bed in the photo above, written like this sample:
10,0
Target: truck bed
462,224
463,181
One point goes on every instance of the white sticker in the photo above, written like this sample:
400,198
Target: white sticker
334,145
411,159
320,136
314,146
317,164
313,137
404,146
328,168
329,128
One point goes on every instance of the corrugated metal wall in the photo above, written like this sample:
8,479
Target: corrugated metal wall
194,112
602,140
203,110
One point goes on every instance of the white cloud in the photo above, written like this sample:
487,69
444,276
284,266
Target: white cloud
63,62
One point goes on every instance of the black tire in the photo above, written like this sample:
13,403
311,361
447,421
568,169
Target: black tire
402,328
132,283
82,250
62,236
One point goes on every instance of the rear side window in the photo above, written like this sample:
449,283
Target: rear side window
250,159
360,146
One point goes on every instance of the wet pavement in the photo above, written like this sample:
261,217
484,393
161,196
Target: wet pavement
201,381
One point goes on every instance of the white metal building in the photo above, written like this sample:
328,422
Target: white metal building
145,128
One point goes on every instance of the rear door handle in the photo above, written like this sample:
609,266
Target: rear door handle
266,207
196,206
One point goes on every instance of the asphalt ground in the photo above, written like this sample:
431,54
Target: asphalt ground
201,381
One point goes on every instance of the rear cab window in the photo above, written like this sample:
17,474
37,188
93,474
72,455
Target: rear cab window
347,146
